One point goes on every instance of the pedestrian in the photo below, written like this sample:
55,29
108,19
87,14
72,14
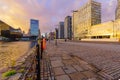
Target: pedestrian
43,46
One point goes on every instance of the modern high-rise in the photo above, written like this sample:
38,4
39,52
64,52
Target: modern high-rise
117,16
87,16
56,33
34,28
61,30
68,27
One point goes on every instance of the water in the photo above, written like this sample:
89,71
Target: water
11,51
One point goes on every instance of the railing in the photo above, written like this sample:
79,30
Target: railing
36,68
32,66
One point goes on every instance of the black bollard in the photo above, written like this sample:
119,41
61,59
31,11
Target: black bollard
38,62
41,50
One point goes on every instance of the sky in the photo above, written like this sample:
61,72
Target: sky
17,13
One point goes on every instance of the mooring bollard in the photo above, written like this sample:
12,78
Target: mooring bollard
38,62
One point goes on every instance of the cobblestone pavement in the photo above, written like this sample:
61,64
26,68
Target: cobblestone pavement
66,66
84,61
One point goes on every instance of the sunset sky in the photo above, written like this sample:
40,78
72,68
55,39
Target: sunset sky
18,13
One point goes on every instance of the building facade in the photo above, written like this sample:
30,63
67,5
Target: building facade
110,30
61,30
87,16
52,35
56,33
34,27
3,26
68,27
117,16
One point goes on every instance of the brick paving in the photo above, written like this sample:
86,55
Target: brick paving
69,67
105,57
84,61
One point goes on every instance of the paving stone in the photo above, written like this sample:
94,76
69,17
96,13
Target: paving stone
68,62
66,57
55,58
84,67
62,77
89,74
78,68
94,79
80,61
58,71
77,76
69,69
56,63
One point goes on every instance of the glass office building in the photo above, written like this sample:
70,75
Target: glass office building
61,30
34,27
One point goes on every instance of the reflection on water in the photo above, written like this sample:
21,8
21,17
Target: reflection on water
11,51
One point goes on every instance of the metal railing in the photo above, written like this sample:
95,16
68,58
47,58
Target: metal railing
33,67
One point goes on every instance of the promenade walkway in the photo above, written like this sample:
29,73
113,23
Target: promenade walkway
65,66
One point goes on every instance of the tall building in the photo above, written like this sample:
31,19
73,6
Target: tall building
117,16
61,30
68,27
34,28
87,16
56,33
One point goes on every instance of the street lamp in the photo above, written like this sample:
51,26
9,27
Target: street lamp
73,23
113,27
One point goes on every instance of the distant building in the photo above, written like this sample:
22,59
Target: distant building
56,33
34,28
52,35
61,30
9,32
68,27
87,16
106,30
16,32
118,10
4,26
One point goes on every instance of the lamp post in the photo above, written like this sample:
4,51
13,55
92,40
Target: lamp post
73,24
116,29
113,27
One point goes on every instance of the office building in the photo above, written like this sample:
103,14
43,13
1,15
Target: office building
34,27
68,27
61,30
107,30
56,33
117,16
87,16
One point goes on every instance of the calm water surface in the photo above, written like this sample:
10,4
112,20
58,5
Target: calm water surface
11,51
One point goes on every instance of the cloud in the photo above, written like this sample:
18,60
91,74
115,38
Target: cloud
17,13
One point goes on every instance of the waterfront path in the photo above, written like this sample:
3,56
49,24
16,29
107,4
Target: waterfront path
84,61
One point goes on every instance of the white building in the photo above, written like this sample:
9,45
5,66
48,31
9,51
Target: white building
87,16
